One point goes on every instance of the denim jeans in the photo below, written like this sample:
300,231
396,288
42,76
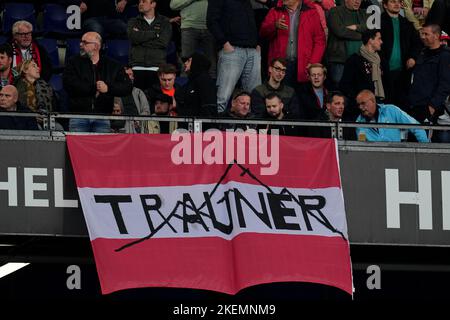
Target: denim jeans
441,136
243,64
89,125
200,40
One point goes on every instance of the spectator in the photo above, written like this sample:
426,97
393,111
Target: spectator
118,126
335,102
295,33
34,93
416,11
346,23
199,93
194,32
312,95
92,81
9,103
401,46
104,17
167,74
240,110
149,34
364,70
25,48
277,72
275,111
439,13
431,81
232,23
383,113
7,72
323,7
162,109
137,102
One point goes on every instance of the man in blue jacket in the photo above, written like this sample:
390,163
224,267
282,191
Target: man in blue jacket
383,113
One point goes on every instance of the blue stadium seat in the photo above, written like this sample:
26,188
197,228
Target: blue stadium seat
18,11
118,50
55,21
52,48
131,11
72,48
57,84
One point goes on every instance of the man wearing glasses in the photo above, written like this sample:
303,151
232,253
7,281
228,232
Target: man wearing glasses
25,48
277,72
92,81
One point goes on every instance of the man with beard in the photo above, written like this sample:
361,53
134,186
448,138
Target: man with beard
275,111
92,81
7,73
162,108
277,72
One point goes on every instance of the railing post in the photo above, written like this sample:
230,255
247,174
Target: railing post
52,121
197,125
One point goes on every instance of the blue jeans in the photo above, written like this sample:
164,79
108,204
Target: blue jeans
89,125
243,64
106,26
441,136
193,40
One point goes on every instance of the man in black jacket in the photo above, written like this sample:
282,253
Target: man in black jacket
440,14
9,103
364,70
431,82
92,81
401,46
149,35
232,23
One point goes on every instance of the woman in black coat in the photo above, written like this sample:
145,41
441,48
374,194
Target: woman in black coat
200,93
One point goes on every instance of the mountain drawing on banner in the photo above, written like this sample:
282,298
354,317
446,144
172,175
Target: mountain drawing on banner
308,209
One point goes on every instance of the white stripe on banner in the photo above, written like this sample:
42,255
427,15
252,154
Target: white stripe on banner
201,211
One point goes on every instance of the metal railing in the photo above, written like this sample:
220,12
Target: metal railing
194,124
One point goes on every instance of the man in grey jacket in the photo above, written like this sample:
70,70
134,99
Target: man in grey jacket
149,35
346,23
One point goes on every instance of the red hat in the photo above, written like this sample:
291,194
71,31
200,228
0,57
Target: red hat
444,36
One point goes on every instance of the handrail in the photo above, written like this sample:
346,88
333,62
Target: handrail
195,124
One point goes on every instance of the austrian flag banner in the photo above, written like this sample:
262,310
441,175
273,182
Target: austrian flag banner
217,210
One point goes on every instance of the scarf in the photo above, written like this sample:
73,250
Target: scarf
375,61
33,51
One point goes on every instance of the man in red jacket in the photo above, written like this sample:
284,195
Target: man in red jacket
295,33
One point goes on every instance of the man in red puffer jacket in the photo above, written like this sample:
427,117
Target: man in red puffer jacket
295,33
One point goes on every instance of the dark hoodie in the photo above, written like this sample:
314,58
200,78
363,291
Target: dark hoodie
200,96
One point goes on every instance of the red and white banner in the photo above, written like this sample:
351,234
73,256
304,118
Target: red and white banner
157,221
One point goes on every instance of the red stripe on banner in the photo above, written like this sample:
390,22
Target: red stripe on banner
208,263
118,161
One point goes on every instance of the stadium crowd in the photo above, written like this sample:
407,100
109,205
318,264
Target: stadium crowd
293,60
